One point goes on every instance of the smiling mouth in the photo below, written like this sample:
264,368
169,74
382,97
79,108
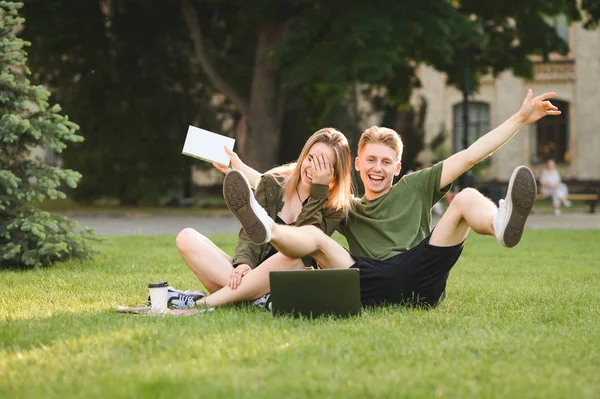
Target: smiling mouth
308,177
375,179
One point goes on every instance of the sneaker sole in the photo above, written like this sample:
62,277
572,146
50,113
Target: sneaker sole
237,192
519,203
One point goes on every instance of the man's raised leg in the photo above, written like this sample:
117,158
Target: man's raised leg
471,210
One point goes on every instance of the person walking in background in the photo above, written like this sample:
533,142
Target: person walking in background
551,185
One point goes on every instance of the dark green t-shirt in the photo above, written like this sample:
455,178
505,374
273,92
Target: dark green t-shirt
396,221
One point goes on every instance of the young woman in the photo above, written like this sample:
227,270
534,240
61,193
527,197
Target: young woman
552,185
315,190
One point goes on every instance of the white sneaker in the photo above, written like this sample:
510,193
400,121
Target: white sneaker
513,211
241,202
557,212
568,203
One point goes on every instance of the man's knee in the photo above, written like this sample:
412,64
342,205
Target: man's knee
465,197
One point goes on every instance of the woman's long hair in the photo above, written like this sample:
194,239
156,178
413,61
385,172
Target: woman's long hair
340,188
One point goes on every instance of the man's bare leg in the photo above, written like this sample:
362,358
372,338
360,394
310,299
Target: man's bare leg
471,210
468,210
254,284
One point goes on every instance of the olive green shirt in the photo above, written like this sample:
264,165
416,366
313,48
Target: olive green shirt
270,196
398,220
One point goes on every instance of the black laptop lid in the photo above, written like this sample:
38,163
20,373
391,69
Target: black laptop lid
313,293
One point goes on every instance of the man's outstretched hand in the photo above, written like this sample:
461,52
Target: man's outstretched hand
535,108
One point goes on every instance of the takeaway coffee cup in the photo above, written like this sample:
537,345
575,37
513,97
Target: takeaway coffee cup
159,294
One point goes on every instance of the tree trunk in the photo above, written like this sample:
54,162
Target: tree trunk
259,137
263,136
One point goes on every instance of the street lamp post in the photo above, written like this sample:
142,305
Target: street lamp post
463,182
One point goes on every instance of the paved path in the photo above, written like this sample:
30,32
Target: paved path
163,224
157,224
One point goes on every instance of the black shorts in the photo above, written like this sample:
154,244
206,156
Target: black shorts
414,278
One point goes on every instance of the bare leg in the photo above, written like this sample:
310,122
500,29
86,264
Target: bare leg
471,210
297,242
556,199
294,242
210,264
563,192
254,284
468,210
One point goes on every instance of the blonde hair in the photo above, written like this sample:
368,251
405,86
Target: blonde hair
340,191
381,135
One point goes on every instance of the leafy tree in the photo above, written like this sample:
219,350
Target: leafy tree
258,53
122,70
29,236
487,37
261,53
504,35
285,69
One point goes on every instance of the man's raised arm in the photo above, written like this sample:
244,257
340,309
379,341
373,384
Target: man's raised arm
532,109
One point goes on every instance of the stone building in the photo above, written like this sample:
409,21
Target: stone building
572,139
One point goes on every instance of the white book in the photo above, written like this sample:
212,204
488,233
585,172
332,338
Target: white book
207,146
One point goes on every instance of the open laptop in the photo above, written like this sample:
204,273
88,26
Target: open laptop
314,293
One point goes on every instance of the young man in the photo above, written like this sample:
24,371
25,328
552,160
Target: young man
389,231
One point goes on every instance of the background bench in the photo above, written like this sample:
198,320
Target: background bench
579,190
592,198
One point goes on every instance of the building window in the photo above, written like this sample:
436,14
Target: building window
551,136
479,122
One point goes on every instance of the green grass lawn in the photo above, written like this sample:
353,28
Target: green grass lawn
520,323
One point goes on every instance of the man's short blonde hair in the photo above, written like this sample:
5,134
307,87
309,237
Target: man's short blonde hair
381,135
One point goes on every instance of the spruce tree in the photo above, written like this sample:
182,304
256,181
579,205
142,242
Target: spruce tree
30,237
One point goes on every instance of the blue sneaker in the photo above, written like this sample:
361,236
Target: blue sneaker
264,302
